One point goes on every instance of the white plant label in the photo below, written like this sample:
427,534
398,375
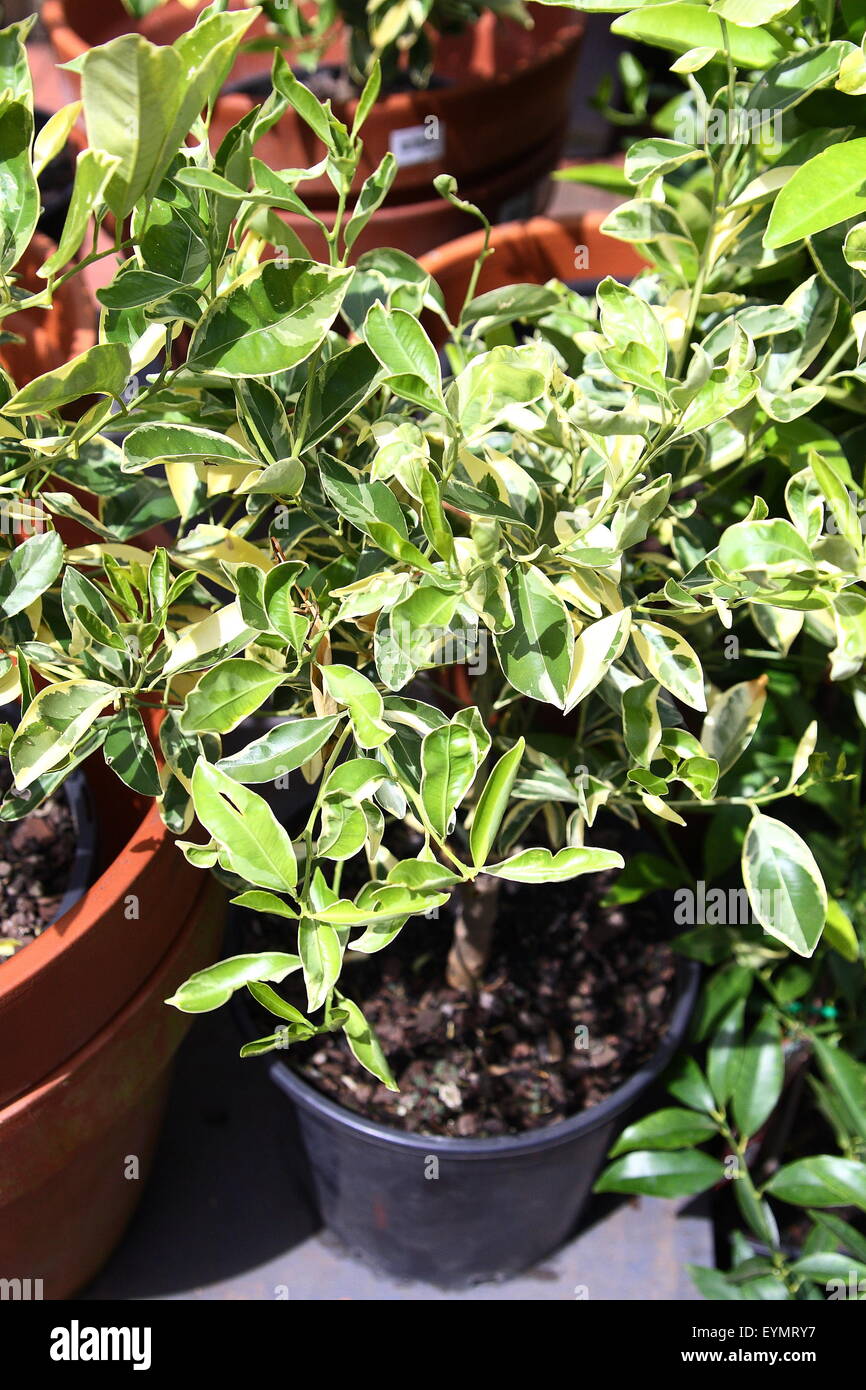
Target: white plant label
417,144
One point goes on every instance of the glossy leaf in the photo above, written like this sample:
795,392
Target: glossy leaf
209,988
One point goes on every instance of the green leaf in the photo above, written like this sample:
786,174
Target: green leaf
364,1043
280,751
764,547
847,1077
102,370
842,1232
725,1055
796,77
665,1129
208,989
839,932
140,101
322,959
759,1083
642,728
597,647
402,346
364,504
536,653
302,100
682,27
368,97
824,191
227,694
540,866
29,569
252,842
153,444
672,662
732,720
643,874
449,761
264,419
823,1181
493,803
826,1265
19,193
280,604
626,319
269,320
686,1082
343,384
128,753
55,721
655,157
373,193
752,12
655,1174
363,701
784,884
93,170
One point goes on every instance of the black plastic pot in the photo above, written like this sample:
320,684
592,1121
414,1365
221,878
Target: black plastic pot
81,870
455,1212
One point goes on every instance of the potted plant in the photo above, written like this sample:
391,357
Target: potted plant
735,205
480,91
350,516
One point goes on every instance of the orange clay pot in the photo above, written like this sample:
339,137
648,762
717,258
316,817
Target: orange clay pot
76,1147
87,1041
50,336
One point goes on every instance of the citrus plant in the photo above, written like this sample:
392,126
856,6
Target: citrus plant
747,204
346,511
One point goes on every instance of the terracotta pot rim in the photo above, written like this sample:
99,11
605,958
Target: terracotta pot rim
397,107
148,838
485,189
467,247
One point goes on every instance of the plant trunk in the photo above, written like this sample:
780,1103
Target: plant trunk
473,933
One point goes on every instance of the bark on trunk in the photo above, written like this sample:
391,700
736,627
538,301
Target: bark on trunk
473,933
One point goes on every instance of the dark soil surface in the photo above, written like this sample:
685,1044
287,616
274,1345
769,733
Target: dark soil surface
35,861
577,997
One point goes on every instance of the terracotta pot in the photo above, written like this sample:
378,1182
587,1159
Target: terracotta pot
74,26
59,991
419,227
75,1150
530,253
500,92
50,336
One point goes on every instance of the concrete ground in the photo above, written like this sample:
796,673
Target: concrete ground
225,1216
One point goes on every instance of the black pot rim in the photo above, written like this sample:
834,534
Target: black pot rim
549,1136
